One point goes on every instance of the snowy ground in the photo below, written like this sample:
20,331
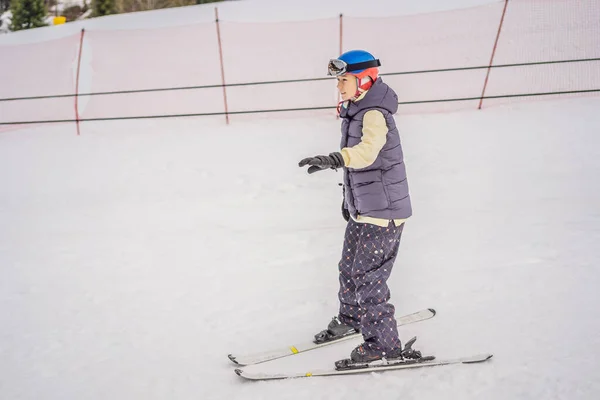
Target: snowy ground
135,257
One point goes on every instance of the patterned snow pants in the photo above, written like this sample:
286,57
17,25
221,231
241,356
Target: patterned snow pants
367,259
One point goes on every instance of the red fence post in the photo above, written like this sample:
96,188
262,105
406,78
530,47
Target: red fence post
337,114
341,33
222,67
77,82
487,75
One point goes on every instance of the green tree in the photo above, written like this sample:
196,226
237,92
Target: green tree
104,7
4,5
27,14
128,6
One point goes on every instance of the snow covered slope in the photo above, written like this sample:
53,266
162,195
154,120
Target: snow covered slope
135,257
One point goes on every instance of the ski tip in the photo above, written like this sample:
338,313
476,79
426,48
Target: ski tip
478,359
232,358
238,372
432,311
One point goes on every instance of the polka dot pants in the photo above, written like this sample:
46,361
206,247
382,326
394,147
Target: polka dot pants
367,259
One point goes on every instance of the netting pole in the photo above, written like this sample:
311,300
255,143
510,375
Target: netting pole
222,66
341,33
487,75
337,115
77,82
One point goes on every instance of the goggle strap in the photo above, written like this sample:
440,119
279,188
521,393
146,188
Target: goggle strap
363,65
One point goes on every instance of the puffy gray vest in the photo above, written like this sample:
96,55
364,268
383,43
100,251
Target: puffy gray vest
381,189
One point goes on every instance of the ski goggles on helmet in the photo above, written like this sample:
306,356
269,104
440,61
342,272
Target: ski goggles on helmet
337,67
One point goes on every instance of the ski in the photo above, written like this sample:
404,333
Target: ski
257,358
408,364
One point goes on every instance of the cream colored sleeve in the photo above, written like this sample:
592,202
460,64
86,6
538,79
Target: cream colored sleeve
374,136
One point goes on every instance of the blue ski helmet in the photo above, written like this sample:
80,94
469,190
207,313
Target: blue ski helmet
359,63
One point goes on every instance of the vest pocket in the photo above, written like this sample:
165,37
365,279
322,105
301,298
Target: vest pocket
370,197
398,190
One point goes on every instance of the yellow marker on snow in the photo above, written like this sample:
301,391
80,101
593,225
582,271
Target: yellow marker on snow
59,20
294,350
309,374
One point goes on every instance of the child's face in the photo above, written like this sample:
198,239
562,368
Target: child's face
347,86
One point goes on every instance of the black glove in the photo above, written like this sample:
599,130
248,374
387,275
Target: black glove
319,163
345,212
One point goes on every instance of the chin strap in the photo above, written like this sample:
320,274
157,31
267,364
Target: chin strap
339,106
362,85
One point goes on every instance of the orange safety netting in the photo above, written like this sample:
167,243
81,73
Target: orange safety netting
126,60
546,30
40,69
412,50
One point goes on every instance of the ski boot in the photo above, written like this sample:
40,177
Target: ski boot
335,330
364,356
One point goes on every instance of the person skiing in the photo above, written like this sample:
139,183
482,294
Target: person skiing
376,203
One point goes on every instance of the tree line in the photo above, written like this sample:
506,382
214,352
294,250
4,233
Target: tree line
27,14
